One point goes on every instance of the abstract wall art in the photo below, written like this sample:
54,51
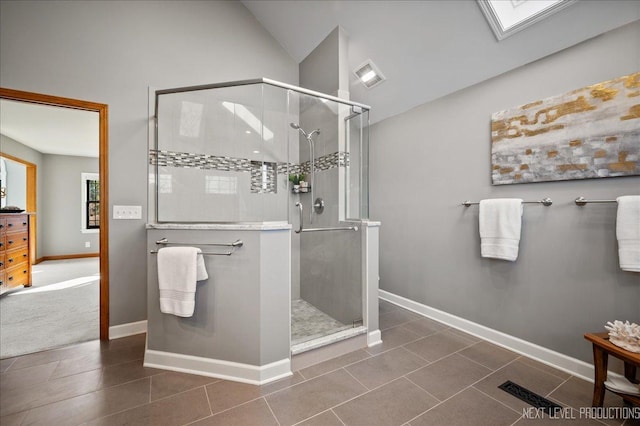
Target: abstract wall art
593,132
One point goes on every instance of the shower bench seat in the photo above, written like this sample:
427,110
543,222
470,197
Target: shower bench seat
602,348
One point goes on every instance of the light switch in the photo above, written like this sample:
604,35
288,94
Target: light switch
127,212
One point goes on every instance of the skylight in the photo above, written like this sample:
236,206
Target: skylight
507,17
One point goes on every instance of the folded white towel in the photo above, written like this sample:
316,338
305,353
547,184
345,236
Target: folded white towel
628,232
179,268
500,224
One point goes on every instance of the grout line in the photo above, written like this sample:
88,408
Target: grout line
271,409
556,388
338,368
206,394
338,417
497,400
480,364
423,389
10,365
356,379
540,369
150,387
519,418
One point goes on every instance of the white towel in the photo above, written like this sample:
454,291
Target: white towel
179,268
628,232
500,224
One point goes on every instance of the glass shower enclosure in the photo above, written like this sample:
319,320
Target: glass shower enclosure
265,152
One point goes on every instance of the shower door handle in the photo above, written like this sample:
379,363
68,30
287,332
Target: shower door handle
299,206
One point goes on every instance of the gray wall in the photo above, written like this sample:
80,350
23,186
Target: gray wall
425,162
18,150
58,199
111,52
16,184
330,262
61,220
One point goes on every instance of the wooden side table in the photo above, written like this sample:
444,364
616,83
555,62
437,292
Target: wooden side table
602,348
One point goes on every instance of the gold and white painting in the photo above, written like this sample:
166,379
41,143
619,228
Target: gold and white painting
593,132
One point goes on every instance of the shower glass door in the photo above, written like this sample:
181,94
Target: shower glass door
324,143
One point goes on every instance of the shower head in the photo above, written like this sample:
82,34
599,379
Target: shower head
297,127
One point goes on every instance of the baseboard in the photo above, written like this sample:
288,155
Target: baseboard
129,329
541,354
66,256
227,370
374,338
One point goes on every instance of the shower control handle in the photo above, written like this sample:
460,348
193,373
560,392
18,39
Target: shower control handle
299,206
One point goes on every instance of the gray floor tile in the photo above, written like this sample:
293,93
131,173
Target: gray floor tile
314,396
392,404
384,307
90,406
334,364
5,364
25,377
179,409
13,419
49,392
544,367
226,394
170,383
438,345
126,372
254,413
392,338
397,317
522,374
448,376
327,418
380,369
424,326
468,408
489,355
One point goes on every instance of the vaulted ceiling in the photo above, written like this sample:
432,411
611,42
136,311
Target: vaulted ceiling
429,48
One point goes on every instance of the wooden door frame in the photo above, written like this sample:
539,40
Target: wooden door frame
31,204
103,111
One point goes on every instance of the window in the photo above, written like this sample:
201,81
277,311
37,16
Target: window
93,204
90,202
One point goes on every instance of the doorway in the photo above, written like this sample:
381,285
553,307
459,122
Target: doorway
102,110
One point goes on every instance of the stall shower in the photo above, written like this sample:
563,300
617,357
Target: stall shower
225,165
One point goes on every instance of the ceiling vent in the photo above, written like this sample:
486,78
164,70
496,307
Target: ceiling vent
369,74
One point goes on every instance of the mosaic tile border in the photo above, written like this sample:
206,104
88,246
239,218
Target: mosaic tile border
233,164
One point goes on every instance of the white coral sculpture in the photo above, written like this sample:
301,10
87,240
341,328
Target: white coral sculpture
624,334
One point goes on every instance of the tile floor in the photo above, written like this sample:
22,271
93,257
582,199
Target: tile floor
308,322
423,374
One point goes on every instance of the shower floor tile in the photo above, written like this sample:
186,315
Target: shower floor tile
308,322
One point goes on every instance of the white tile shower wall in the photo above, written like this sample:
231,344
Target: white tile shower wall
186,182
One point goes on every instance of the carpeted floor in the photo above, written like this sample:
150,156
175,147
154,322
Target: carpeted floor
62,307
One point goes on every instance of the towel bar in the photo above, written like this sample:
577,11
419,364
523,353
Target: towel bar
236,243
545,202
337,228
581,201
228,253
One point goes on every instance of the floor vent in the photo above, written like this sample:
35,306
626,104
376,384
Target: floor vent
529,397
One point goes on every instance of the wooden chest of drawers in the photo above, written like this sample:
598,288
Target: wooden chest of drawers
15,266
